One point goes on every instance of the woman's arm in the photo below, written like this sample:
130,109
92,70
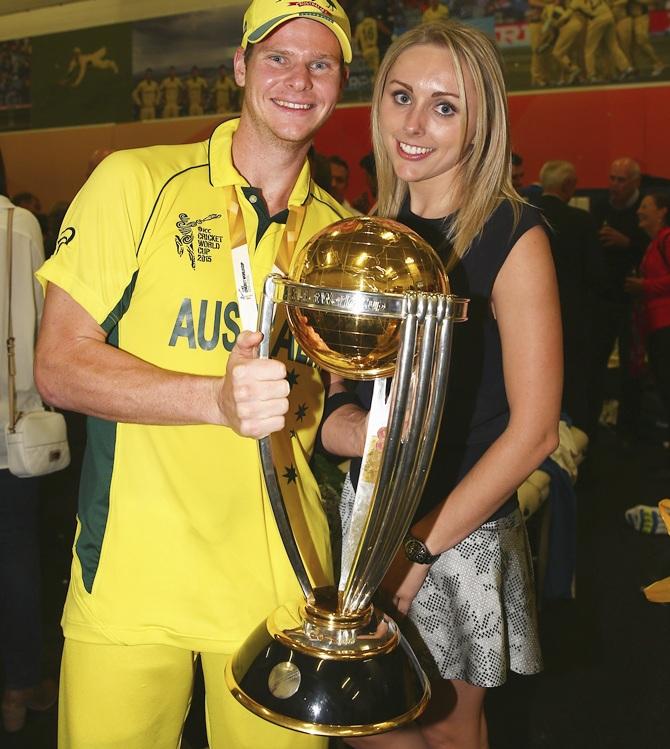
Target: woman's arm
343,429
525,299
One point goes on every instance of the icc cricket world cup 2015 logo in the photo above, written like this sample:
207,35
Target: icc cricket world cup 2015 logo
184,240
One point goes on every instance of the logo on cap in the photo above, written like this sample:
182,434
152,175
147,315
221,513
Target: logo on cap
310,3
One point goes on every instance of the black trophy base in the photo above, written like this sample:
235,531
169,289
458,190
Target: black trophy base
302,684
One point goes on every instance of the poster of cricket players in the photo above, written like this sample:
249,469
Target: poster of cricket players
584,43
545,44
183,64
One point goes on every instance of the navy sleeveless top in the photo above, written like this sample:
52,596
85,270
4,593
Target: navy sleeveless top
476,409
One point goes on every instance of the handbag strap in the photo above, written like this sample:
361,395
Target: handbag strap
11,358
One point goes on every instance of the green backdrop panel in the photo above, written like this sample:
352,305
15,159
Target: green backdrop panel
82,77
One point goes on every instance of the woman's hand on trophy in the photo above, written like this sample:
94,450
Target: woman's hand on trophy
253,396
403,581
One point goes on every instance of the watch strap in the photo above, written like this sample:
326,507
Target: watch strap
417,551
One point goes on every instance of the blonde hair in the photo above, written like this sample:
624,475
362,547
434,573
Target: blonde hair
554,174
484,171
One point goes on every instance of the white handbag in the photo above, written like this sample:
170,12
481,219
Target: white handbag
37,444
36,440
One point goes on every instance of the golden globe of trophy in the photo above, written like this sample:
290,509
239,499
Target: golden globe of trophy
366,298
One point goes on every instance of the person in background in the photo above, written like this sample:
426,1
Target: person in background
29,201
146,96
339,181
652,286
623,243
196,90
582,279
320,168
441,140
366,39
602,52
367,201
171,89
32,203
20,576
530,192
517,172
225,92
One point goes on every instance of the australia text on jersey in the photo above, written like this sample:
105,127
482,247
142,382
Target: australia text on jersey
218,325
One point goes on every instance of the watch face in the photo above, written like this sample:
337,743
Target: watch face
415,550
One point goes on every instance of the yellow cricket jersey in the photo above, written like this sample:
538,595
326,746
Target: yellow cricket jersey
146,93
176,542
224,90
366,35
195,88
171,88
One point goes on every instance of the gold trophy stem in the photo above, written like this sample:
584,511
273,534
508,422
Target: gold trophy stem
265,450
404,468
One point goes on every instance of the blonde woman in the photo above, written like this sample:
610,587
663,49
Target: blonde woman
440,134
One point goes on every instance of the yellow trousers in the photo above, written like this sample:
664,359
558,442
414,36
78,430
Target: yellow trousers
624,35
138,696
568,38
600,32
171,110
540,70
641,39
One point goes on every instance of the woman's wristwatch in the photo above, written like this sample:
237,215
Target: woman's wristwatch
417,551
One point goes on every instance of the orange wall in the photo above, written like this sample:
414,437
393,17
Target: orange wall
592,127
588,127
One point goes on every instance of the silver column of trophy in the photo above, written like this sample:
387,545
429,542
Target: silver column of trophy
366,298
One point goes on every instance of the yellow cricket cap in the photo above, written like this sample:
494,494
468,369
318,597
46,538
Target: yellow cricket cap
263,16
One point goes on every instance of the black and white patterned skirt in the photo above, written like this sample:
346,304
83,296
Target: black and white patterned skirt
475,617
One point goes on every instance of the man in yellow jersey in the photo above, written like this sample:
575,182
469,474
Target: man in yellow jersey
171,88
541,37
623,24
225,92
366,40
436,11
196,88
572,25
177,555
146,95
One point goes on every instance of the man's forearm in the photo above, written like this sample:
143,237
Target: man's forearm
75,368
100,380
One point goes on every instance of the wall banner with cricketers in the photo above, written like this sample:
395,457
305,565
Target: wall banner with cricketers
181,65
81,77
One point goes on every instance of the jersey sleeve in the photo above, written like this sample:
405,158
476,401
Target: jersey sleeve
97,248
